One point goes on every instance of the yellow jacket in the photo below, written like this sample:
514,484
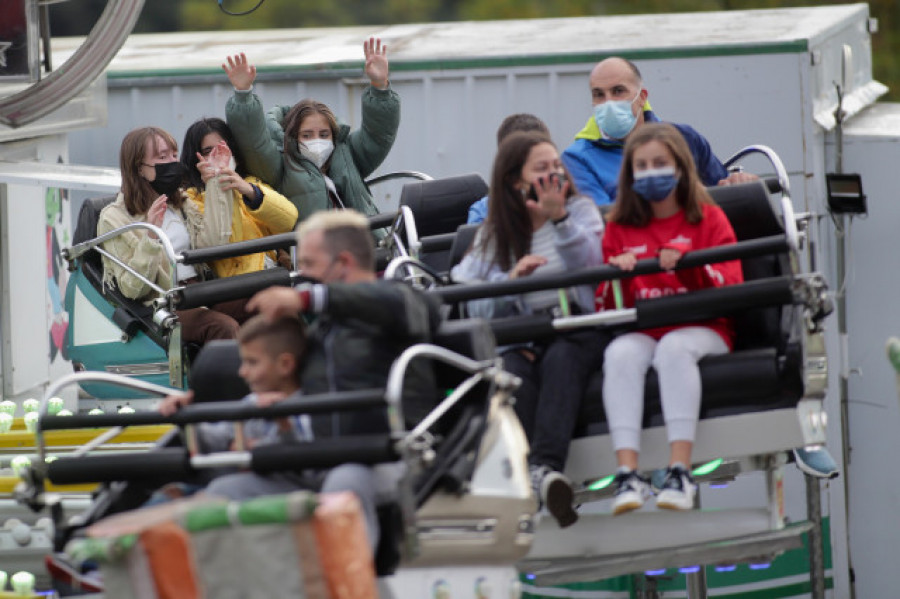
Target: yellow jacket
275,215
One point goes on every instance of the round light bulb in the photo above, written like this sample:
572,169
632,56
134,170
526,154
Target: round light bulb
55,404
31,405
6,422
8,407
30,420
23,583
19,464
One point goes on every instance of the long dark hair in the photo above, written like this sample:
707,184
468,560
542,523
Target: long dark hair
137,191
629,209
193,140
508,228
293,120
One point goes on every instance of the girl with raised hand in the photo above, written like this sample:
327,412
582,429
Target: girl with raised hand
216,174
537,224
303,151
662,211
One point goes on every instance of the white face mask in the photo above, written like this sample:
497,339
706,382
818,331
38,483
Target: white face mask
318,150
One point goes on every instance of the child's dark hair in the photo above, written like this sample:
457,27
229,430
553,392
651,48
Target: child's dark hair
521,121
285,335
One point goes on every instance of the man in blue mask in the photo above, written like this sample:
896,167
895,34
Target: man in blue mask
620,107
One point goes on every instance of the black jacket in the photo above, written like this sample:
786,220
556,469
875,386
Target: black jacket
361,329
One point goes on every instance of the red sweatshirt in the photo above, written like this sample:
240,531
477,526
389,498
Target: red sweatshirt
677,233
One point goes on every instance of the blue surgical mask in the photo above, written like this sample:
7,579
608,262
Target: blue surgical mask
615,117
655,184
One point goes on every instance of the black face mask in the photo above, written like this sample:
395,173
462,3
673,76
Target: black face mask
169,176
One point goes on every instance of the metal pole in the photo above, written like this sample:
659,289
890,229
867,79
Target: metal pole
695,582
841,305
816,545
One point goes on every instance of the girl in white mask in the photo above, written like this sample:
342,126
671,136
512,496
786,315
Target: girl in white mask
303,151
215,169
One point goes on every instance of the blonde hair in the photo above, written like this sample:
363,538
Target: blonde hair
342,231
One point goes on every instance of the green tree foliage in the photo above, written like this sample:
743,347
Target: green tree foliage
203,14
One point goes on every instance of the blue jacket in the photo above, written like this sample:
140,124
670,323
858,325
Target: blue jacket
594,161
478,212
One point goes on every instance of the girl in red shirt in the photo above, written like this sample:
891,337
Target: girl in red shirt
662,211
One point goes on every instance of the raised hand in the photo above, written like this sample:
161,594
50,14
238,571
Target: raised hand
551,198
156,213
220,156
376,62
240,72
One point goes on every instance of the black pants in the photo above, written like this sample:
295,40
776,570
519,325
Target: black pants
553,385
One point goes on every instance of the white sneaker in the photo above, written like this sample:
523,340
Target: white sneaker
632,490
678,490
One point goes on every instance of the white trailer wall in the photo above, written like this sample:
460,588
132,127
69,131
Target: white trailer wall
872,149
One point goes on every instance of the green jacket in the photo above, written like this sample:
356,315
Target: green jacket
356,154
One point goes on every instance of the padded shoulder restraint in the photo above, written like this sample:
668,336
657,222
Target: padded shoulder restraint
442,205
214,373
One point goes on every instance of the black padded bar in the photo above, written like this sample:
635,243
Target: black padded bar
437,243
324,453
379,221
772,184
751,248
520,329
229,410
706,304
164,464
282,241
208,293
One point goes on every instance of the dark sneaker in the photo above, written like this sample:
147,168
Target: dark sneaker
632,490
70,577
553,490
816,461
677,491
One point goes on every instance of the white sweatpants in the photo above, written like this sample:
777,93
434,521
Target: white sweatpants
675,358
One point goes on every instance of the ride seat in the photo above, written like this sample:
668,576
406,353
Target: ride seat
129,314
462,243
764,370
440,207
